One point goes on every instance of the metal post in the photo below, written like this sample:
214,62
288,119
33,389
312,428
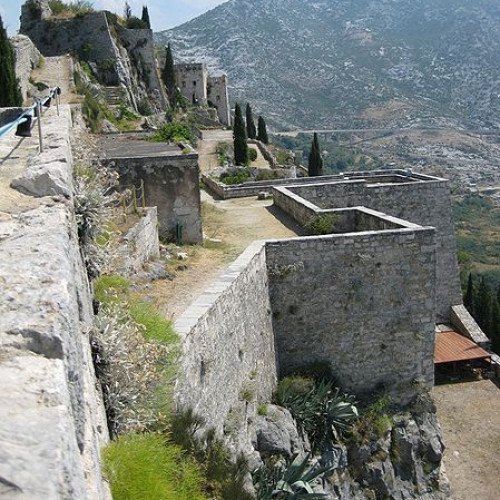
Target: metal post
57,102
39,113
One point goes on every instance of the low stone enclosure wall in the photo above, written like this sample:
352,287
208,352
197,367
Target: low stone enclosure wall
52,419
361,303
254,188
420,199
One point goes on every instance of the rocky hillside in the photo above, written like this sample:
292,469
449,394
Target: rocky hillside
347,63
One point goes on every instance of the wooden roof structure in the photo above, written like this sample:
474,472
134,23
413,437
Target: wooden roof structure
452,347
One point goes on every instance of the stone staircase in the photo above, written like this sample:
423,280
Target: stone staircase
114,96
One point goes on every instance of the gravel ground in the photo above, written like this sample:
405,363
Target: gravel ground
469,414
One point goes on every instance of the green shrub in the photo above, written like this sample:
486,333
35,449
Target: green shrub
236,175
155,326
293,482
266,174
375,421
173,132
146,467
221,149
252,154
144,108
322,412
78,8
134,23
262,410
323,224
125,113
110,289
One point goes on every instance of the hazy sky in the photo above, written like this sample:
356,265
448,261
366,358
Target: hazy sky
164,14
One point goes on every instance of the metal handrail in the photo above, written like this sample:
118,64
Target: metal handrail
24,121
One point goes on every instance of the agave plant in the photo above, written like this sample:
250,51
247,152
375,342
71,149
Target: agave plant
292,483
321,410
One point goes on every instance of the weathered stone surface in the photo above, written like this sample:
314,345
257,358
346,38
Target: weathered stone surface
171,183
39,455
52,421
140,245
28,57
363,303
50,173
227,336
44,317
48,179
277,433
416,198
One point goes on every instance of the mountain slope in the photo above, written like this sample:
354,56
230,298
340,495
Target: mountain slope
347,63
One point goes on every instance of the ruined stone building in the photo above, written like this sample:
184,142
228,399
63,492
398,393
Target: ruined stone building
196,85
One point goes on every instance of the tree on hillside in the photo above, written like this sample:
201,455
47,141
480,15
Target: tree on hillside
315,165
262,131
127,11
251,130
168,75
145,16
469,295
240,138
10,94
494,333
482,306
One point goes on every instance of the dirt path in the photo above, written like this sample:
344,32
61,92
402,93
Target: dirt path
230,226
469,414
56,72
206,148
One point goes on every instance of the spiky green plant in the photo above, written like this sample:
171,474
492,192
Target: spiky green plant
291,483
321,410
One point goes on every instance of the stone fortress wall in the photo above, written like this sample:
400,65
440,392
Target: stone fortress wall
228,343
217,96
52,419
118,56
362,301
420,199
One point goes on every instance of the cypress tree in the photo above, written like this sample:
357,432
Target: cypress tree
495,327
315,165
10,94
482,307
469,295
127,11
262,131
145,16
251,130
168,75
240,138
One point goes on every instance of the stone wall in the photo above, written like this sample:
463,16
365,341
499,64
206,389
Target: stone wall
28,58
363,303
421,200
139,45
171,184
52,420
228,342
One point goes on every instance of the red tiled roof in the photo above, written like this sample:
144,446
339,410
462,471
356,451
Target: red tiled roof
451,346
